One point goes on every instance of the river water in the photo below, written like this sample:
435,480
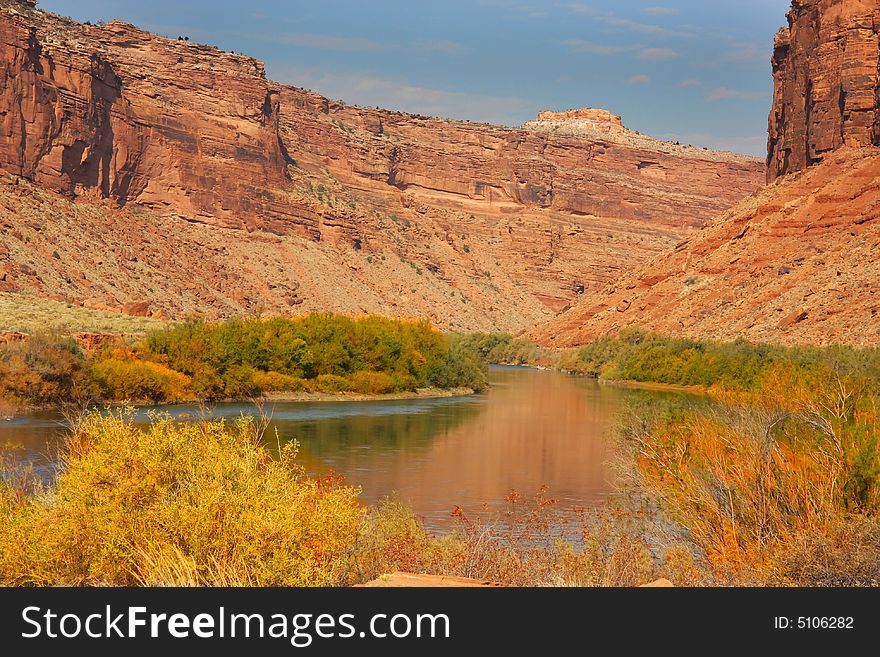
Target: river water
532,429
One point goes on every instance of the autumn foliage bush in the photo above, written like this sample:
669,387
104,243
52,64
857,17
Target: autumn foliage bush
176,504
121,376
241,359
760,476
321,352
42,369
204,504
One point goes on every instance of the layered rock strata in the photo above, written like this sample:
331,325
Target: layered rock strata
114,117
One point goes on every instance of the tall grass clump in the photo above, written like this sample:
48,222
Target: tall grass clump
518,549
776,485
176,504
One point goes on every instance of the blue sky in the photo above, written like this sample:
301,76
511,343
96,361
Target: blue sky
697,71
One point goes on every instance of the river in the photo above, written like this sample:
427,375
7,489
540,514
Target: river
532,429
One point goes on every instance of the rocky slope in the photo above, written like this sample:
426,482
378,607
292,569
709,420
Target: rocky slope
182,177
795,264
141,262
826,71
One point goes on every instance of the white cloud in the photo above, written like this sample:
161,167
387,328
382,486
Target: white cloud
726,93
749,53
660,11
579,45
370,91
690,82
657,54
639,79
323,41
626,24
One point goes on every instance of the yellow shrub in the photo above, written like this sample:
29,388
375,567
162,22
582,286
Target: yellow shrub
122,377
274,382
373,383
177,504
332,383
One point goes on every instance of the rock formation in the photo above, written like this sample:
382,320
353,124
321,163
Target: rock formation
151,138
826,72
796,262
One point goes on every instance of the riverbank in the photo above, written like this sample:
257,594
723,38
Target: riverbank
420,393
318,357
657,387
10,412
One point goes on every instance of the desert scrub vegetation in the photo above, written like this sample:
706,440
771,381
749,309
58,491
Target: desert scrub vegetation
646,357
503,349
44,368
27,314
775,485
519,549
205,504
242,359
636,355
321,352
178,504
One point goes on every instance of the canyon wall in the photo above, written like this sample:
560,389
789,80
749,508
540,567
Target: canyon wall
826,71
110,114
794,263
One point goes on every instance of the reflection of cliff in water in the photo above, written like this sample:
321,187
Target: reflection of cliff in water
532,429
408,430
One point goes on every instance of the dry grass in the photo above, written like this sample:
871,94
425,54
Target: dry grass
777,486
202,504
30,314
612,550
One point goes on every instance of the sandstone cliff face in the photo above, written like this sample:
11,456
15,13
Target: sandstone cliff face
193,135
826,71
795,264
118,113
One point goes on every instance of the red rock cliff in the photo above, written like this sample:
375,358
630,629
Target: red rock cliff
796,262
826,70
479,214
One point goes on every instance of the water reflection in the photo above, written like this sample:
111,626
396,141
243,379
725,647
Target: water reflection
532,429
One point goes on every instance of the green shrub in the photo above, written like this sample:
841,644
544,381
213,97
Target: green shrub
275,382
373,383
238,382
206,383
332,383
369,353
459,367
637,355
501,348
